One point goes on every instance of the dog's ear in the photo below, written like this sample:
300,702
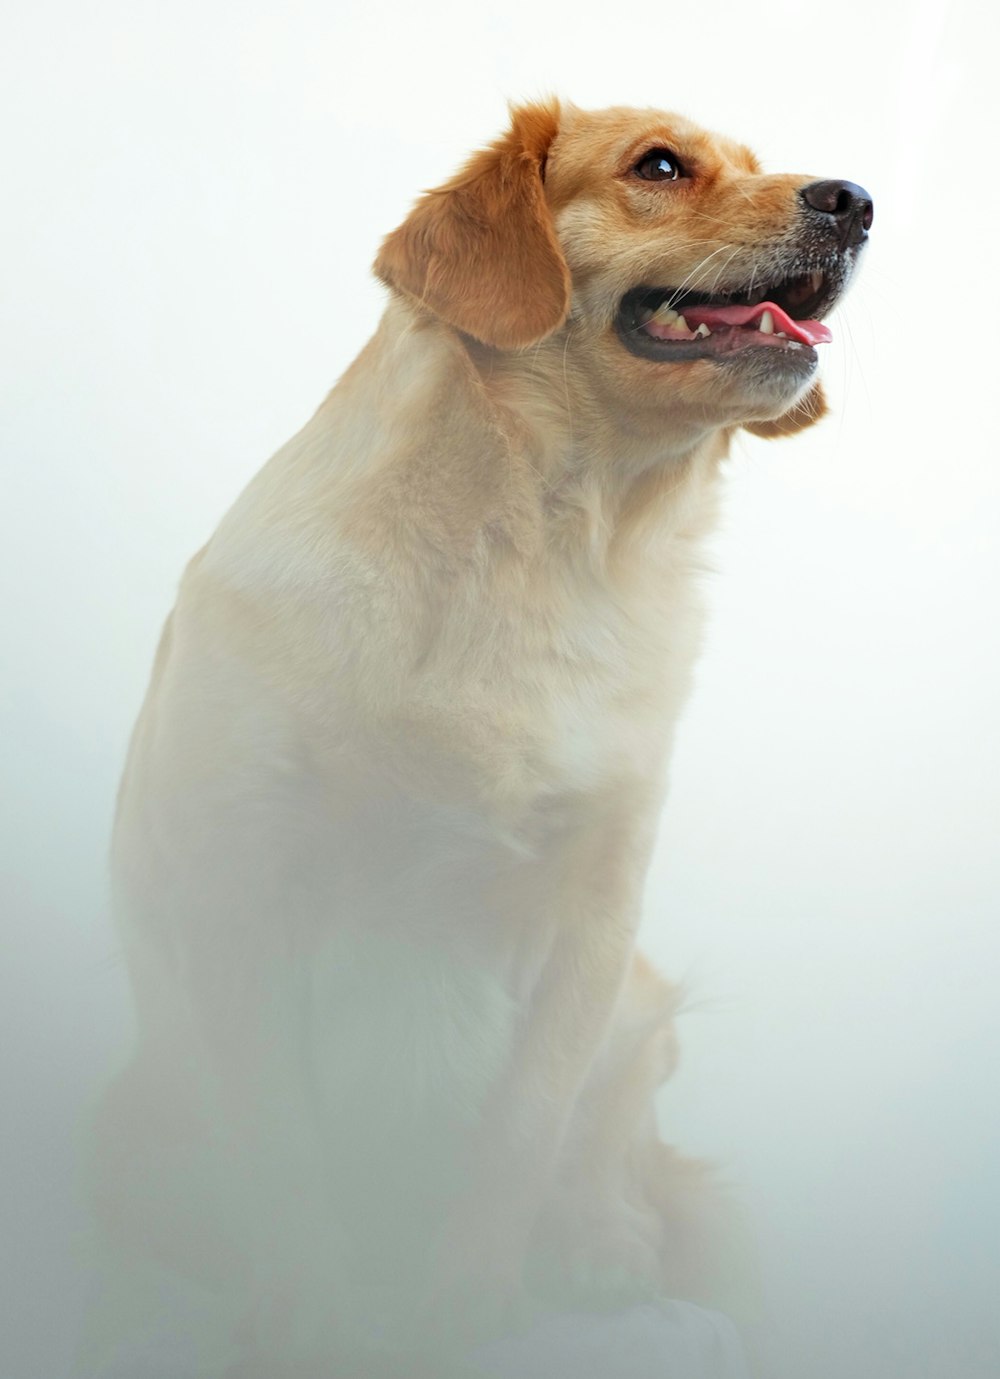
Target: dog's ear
481,251
809,409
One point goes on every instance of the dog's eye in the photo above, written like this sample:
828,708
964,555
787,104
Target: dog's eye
658,165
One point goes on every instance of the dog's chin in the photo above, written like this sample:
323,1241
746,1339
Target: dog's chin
768,383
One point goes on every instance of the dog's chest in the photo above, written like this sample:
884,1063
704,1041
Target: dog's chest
568,699
602,705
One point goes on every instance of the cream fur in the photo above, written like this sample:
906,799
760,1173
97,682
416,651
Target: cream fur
387,813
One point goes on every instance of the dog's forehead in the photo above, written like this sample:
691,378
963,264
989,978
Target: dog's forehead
599,142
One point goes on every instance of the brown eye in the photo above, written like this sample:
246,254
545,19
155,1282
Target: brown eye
658,165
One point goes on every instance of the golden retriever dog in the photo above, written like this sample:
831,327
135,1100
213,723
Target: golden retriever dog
388,809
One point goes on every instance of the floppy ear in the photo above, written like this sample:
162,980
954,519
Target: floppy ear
481,251
807,410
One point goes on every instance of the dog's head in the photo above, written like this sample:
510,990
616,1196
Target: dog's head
682,278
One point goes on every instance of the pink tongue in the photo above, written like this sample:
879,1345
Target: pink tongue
715,317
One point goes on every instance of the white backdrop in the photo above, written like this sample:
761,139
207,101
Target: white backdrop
192,195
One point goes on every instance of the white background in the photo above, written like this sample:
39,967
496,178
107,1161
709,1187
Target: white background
192,196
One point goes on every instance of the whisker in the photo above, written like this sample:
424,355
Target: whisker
715,281
680,289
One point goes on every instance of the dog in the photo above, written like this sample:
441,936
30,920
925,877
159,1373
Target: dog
388,809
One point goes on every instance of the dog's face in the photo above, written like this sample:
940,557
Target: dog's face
681,280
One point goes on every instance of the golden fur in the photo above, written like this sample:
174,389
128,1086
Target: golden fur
387,813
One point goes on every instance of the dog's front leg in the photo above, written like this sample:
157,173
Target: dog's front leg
592,884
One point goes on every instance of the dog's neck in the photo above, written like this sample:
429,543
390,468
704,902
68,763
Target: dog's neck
559,462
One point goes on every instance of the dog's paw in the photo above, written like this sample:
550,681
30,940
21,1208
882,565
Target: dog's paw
599,1260
473,1288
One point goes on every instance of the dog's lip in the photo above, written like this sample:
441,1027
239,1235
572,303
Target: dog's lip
796,301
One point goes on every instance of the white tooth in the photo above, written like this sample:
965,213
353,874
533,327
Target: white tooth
794,345
703,330
766,324
665,315
817,281
644,315
681,324
781,335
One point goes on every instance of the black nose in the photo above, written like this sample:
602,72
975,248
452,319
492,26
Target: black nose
845,205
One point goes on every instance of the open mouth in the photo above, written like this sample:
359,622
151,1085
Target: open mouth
665,323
